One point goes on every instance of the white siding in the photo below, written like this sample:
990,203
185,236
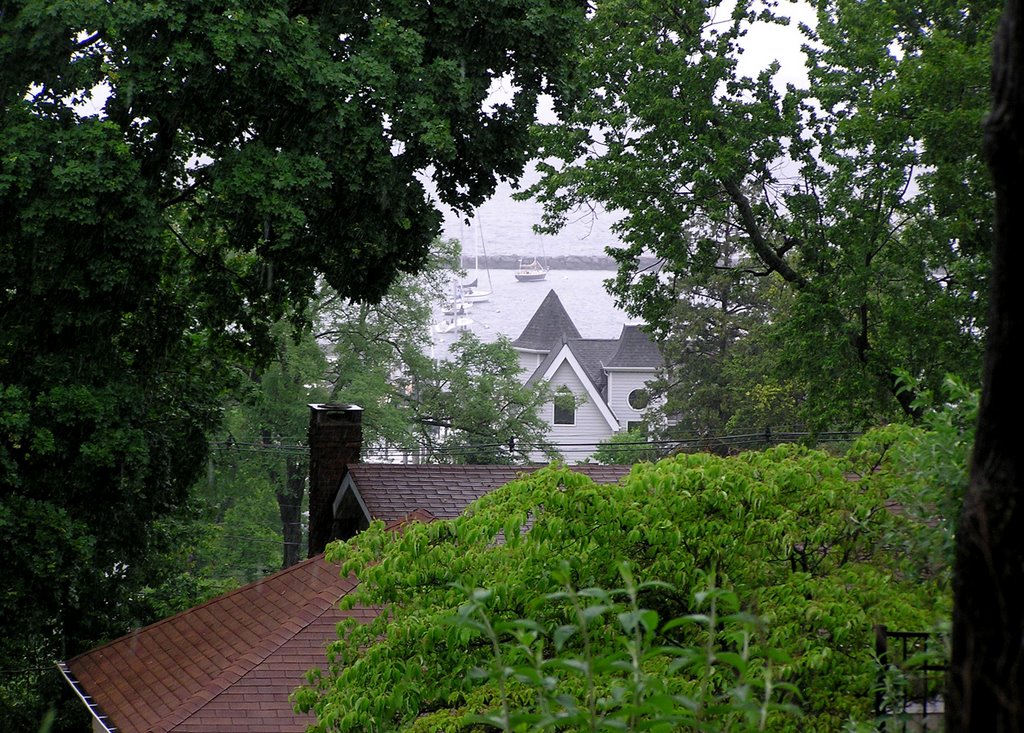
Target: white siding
528,364
620,384
590,428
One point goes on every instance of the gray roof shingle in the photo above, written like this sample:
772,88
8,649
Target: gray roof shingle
550,326
636,351
390,492
592,354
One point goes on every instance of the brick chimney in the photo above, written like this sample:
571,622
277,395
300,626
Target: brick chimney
335,439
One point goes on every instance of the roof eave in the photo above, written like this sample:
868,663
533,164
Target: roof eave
97,714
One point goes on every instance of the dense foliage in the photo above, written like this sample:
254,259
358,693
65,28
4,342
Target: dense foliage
251,501
623,675
720,372
473,408
178,180
175,177
863,193
803,539
626,448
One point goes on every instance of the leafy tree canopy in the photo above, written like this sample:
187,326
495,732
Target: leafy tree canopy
865,193
472,407
377,352
802,538
468,409
174,178
627,448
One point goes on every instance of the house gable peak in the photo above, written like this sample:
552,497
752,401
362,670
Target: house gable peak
549,328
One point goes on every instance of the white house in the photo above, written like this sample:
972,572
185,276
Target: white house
606,377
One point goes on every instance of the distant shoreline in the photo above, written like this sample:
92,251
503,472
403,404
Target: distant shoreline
562,262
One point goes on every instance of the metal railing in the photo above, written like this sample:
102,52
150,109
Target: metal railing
911,681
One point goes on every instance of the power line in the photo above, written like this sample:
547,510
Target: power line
744,437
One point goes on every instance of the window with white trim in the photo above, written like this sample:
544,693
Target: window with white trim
564,404
564,415
638,399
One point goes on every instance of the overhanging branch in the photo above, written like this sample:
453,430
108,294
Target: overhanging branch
767,254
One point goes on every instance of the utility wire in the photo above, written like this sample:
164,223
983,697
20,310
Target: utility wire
744,438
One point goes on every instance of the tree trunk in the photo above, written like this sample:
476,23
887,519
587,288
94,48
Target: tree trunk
288,490
289,505
986,685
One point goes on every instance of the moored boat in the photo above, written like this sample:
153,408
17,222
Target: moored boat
455,323
473,293
530,271
457,307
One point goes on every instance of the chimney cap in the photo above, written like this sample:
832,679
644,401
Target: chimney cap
333,407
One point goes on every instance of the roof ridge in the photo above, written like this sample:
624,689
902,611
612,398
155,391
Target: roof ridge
126,638
636,350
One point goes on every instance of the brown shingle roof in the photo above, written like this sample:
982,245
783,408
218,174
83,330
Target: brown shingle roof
230,664
390,492
227,665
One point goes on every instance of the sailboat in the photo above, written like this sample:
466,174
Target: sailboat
531,271
456,307
471,291
457,304
453,323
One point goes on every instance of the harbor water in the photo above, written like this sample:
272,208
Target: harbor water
513,303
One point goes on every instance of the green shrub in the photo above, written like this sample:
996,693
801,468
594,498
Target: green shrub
803,540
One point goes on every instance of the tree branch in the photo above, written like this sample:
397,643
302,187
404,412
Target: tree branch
762,248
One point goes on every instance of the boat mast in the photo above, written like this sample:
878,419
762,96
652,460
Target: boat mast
483,246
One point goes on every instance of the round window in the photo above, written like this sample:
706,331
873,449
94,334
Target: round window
638,399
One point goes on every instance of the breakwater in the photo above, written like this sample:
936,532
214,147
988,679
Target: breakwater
561,262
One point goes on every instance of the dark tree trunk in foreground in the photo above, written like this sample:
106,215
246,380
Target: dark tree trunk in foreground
986,690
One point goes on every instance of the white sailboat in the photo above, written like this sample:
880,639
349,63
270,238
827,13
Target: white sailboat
472,292
530,272
453,323
456,310
456,307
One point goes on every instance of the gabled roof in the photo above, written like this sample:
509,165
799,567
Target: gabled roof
226,665
230,664
590,354
549,328
595,393
390,491
636,351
